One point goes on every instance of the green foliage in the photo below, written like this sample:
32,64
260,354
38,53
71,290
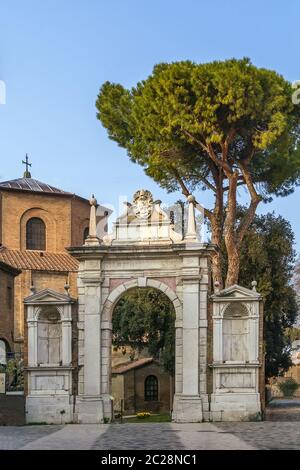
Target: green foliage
167,121
288,386
15,374
144,318
297,278
293,333
267,256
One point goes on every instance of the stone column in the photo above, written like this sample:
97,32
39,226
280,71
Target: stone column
188,404
190,324
89,404
203,326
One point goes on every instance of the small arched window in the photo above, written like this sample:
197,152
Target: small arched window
35,234
151,388
86,233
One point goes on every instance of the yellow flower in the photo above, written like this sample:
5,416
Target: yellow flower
143,414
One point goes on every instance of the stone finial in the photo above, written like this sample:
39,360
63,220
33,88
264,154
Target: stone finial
67,288
191,225
254,284
93,201
92,238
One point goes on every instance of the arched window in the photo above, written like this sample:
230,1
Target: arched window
2,352
49,336
86,233
35,234
151,388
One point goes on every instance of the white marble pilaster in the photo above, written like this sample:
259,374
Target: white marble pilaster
32,341
190,338
217,339
66,342
92,341
253,339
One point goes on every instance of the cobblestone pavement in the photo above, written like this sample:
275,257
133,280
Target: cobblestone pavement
266,435
160,436
15,437
168,436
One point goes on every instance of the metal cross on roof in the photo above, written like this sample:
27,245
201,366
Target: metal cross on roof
27,173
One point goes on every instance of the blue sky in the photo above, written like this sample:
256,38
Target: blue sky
55,54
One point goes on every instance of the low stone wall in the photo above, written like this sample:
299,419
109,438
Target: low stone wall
12,410
293,372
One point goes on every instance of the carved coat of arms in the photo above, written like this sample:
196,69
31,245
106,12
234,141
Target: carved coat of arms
142,204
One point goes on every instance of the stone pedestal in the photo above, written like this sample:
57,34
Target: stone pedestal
187,409
236,407
93,410
55,409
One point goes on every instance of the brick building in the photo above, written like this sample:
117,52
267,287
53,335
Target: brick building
7,278
37,223
142,385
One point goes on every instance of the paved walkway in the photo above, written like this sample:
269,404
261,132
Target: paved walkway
281,430
156,436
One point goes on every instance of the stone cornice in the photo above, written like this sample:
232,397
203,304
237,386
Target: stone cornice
145,250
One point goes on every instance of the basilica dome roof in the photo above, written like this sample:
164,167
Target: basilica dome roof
30,184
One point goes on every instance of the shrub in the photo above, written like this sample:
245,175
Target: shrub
288,387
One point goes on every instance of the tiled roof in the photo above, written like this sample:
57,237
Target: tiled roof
30,184
8,268
126,366
38,260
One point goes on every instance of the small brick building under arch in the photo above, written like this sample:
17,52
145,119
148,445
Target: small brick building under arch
129,384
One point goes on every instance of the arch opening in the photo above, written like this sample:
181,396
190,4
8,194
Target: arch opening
143,351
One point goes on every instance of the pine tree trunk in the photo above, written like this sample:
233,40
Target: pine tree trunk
217,257
217,234
230,234
233,266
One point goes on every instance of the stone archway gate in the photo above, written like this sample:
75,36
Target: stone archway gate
142,251
145,251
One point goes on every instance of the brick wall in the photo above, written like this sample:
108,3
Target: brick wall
7,306
165,389
12,410
80,216
65,219
18,208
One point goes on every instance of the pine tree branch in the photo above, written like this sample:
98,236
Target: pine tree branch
186,193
